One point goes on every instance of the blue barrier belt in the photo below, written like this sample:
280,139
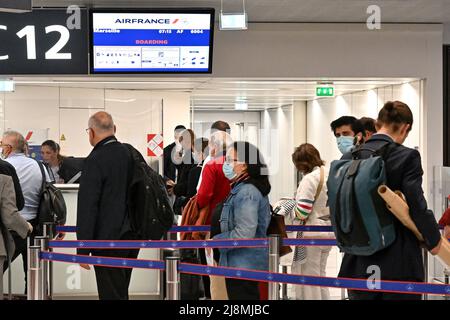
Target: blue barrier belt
125,244
175,229
355,284
103,261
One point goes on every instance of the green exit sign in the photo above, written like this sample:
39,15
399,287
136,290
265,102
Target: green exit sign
324,91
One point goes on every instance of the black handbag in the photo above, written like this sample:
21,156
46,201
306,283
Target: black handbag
191,284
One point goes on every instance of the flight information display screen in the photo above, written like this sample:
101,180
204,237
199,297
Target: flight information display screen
165,41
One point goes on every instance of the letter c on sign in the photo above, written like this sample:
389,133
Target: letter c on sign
5,57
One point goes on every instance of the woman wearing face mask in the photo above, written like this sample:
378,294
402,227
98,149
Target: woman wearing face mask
245,215
52,159
311,209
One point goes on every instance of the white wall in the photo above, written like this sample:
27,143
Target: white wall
277,143
322,112
176,111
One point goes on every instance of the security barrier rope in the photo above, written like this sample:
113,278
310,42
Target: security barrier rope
176,229
190,244
246,274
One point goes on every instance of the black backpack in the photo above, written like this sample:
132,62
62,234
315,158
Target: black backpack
52,206
149,209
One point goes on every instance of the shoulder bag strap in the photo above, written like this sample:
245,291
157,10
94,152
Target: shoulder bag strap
320,186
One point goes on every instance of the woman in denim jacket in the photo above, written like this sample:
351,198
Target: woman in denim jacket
245,215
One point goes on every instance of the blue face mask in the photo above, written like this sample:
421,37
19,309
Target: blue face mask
228,171
345,144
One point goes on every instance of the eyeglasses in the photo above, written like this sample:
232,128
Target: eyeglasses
87,130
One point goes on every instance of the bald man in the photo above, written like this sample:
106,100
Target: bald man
102,204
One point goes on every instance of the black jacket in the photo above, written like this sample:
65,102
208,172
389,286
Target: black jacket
7,169
403,259
193,178
169,166
102,197
180,189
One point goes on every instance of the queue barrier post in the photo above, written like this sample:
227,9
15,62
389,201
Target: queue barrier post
172,278
274,263
48,232
284,286
426,269
34,290
42,242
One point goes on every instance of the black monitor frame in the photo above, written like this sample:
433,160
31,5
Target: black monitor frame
210,11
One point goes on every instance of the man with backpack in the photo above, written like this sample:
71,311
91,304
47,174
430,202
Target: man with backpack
31,181
376,244
102,204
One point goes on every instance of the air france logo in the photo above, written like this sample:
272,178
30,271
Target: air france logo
146,21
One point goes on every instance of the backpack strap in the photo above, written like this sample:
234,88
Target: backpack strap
41,166
383,151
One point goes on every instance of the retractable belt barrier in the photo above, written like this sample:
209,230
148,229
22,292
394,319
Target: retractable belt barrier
173,267
246,274
176,229
189,244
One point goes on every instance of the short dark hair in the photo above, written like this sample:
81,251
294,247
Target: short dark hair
342,121
179,128
220,126
395,113
306,157
364,124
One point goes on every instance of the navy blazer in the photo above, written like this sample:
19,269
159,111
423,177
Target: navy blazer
403,259
102,196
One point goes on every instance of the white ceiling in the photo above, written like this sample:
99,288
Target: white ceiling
222,93
392,11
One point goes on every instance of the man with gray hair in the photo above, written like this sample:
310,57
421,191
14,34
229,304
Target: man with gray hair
30,177
102,204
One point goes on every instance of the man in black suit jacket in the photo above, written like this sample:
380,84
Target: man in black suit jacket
401,261
102,204
170,169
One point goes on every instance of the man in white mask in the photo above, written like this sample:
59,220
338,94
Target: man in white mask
342,129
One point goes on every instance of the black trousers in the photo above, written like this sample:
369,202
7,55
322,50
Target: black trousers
242,289
22,249
367,295
113,283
